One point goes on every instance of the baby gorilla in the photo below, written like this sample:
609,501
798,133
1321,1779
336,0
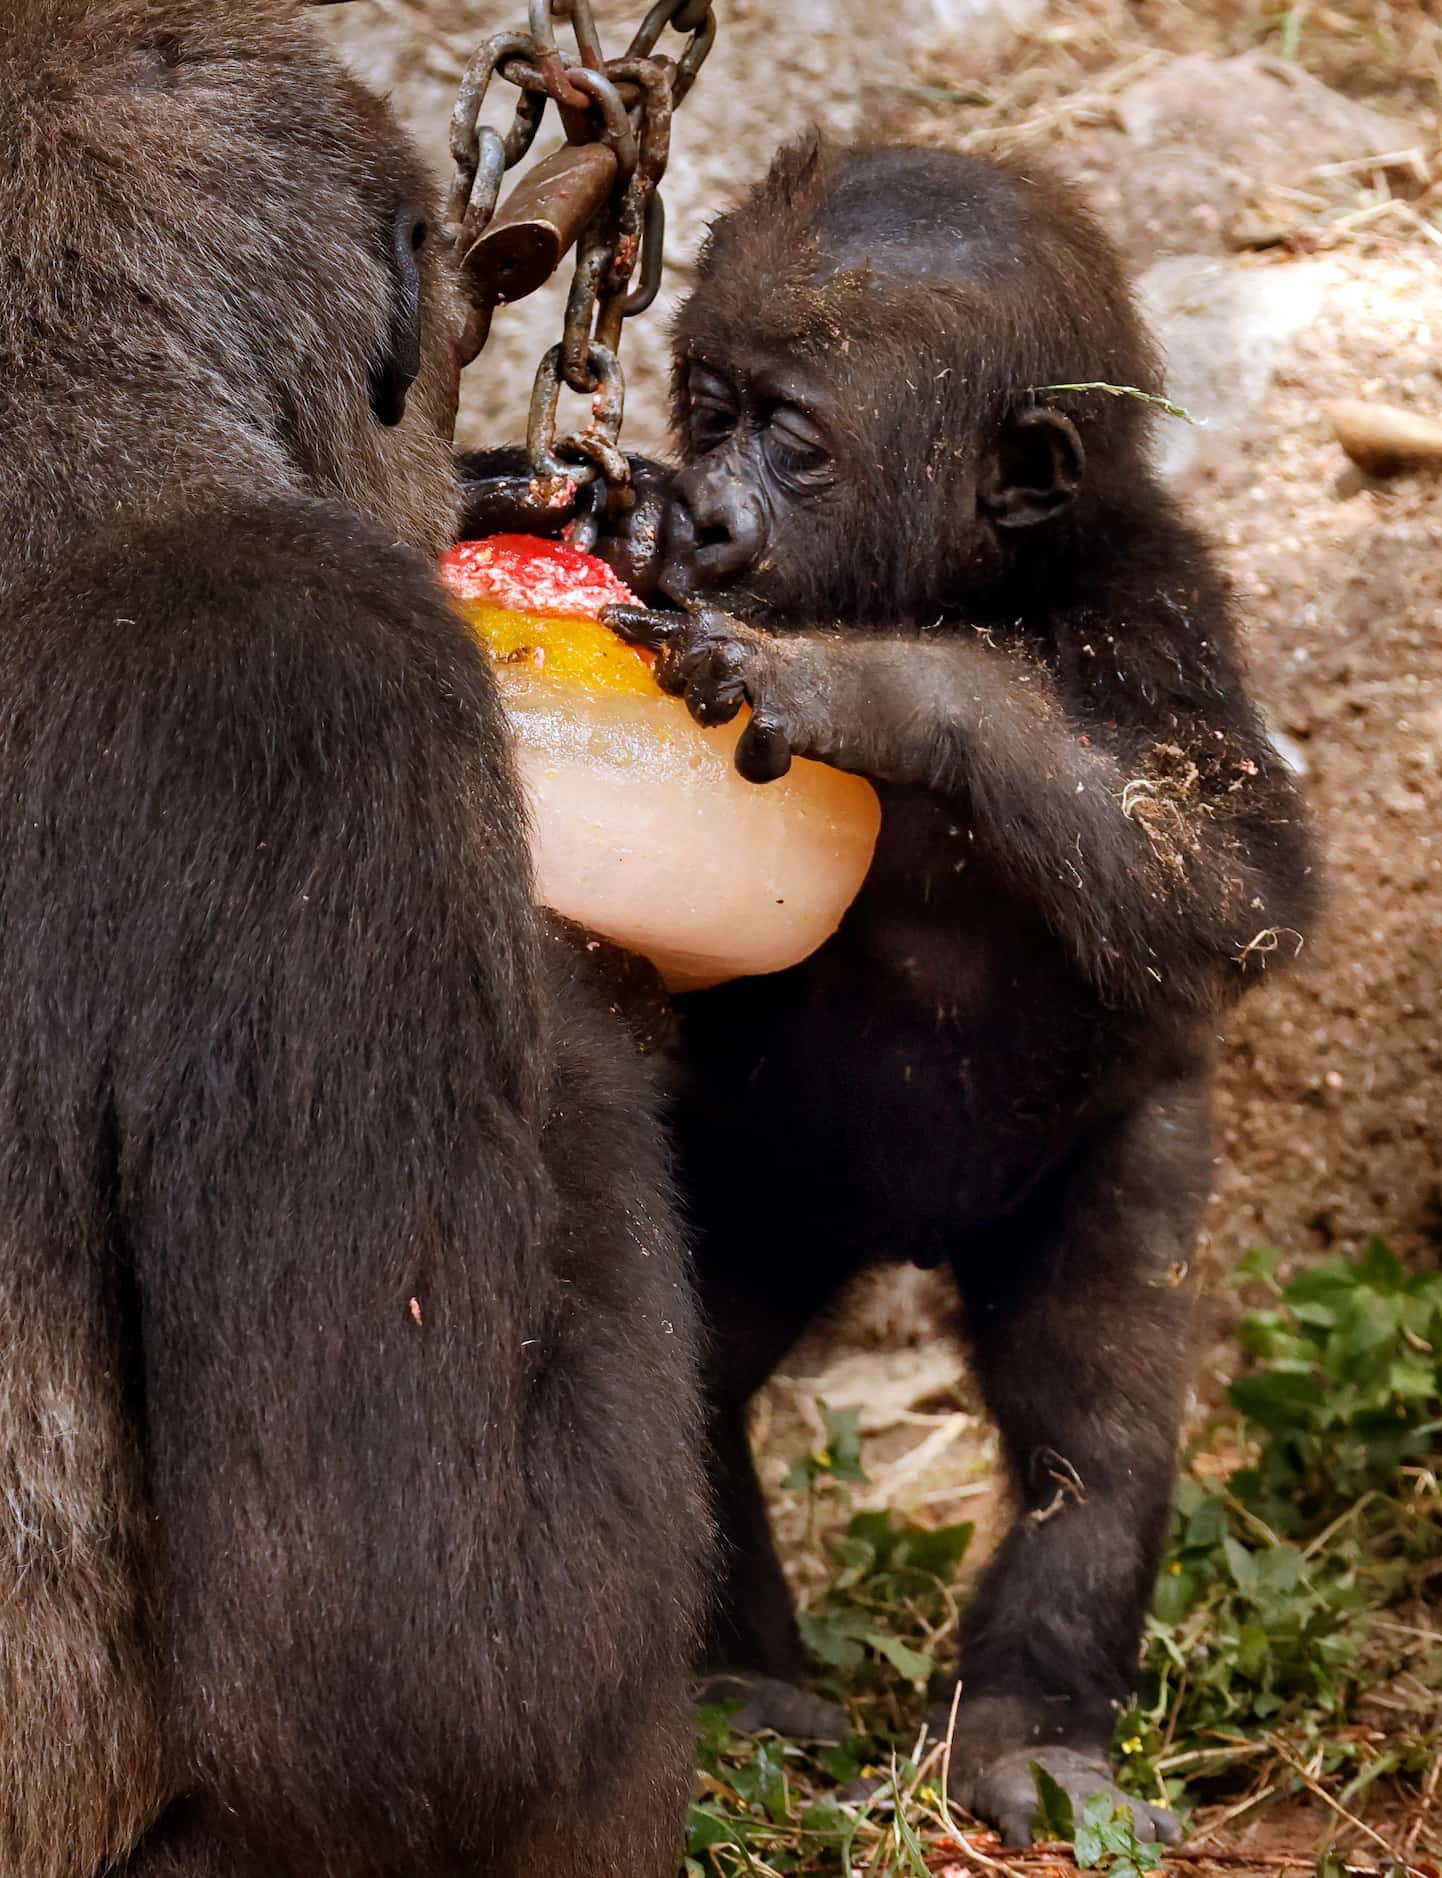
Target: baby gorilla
947,565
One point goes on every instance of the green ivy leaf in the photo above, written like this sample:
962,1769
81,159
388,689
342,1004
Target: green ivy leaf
1241,1563
875,1533
915,1665
832,1639
1276,1400
938,1552
1380,1267
843,1442
706,1828
1206,1525
846,1760
1258,1265
824,1815
1054,1817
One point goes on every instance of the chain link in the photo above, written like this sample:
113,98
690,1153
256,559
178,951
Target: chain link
626,105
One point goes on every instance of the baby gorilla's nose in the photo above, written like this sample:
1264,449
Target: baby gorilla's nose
727,526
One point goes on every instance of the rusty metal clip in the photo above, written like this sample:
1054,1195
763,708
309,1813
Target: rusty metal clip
601,460
541,220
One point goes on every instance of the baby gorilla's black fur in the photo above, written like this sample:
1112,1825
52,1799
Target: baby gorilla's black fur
948,566
349,1495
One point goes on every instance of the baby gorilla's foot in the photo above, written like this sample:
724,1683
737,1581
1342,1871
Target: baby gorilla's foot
1002,1791
769,1705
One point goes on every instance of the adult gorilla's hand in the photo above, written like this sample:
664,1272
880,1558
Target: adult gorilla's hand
498,497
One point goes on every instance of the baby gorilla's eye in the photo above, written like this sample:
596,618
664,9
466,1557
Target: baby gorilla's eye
796,448
714,407
711,424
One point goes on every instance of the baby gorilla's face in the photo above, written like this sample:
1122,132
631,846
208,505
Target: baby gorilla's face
763,484
800,503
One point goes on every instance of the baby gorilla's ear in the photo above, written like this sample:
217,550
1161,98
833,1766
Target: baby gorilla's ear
1033,470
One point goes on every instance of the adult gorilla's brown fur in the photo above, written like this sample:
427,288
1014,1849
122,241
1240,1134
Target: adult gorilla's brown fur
347,1509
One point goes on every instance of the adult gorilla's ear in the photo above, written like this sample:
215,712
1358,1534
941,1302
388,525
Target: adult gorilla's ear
399,364
398,367
1033,470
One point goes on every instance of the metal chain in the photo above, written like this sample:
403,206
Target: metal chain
600,191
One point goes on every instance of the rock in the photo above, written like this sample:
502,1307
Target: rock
1222,326
1290,751
1382,439
1199,143
1273,117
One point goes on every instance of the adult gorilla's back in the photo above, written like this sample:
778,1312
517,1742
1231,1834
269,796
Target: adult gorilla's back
346,1397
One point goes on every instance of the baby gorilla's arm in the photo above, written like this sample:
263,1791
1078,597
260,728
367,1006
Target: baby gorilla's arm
1150,901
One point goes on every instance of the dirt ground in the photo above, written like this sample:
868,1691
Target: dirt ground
1324,140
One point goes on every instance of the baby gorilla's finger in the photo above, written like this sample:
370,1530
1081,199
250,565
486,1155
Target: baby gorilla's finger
715,674
763,753
641,626
713,701
670,671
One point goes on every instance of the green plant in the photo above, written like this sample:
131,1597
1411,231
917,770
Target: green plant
888,1582
1263,1628
1305,1524
768,1807
1104,1839
839,1460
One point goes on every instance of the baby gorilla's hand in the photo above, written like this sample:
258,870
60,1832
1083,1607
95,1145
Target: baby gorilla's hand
717,664
704,656
636,544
